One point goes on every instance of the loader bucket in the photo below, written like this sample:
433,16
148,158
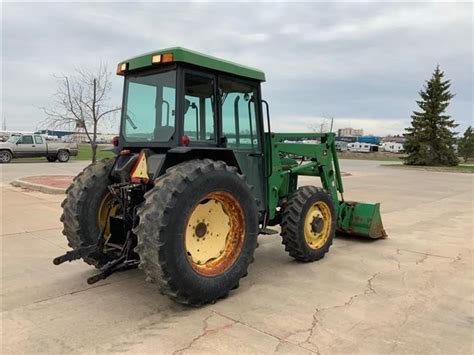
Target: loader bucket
361,219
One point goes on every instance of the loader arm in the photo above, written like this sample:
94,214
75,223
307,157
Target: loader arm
289,158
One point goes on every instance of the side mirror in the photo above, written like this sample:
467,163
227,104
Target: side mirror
187,103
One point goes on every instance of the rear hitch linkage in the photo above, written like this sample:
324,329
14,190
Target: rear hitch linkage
127,258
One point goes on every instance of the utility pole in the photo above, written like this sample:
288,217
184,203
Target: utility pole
4,123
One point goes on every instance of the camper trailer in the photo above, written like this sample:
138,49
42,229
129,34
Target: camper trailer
392,147
362,147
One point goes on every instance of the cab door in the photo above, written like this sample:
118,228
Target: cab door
199,109
25,146
241,128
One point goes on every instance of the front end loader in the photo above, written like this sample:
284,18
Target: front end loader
198,175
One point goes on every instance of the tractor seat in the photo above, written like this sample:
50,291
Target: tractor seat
164,133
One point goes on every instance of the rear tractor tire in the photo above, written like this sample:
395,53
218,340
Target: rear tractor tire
85,209
197,231
308,224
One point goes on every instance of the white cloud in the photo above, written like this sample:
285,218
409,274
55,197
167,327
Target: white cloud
349,60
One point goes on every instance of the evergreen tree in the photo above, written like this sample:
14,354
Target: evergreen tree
429,140
466,144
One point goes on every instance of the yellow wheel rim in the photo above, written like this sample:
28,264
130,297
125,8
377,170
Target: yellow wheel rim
215,233
102,215
317,225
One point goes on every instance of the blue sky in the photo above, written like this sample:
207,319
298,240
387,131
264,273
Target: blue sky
361,63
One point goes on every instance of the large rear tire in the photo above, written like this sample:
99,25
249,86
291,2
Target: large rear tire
308,224
197,231
82,209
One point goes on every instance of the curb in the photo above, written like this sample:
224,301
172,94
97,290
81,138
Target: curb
38,187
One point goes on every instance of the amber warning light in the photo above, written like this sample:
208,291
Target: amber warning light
162,58
122,68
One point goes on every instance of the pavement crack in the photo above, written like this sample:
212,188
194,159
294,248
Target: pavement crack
281,341
422,260
369,289
205,331
30,232
72,293
422,253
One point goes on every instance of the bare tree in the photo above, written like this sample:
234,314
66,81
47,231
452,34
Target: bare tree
82,100
326,125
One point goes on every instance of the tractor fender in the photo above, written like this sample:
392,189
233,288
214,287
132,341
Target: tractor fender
158,163
179,155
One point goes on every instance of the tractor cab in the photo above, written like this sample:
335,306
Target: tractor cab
187,105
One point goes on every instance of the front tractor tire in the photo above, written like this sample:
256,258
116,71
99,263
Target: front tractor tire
83,209
197,231
308,224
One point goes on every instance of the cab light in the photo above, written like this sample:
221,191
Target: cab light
122,68
156,59
185,140
167,58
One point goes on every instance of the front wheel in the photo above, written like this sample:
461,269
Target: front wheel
197,231
63,156
5,156
308,224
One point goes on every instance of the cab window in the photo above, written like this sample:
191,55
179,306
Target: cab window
239,121
38,140
149,107
199,112
26,140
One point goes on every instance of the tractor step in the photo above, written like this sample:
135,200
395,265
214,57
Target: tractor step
267,231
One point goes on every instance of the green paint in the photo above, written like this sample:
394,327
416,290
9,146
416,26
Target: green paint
321,161
191,57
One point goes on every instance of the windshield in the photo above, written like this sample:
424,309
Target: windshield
149,107
13,139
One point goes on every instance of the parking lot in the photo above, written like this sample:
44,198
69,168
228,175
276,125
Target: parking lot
411,292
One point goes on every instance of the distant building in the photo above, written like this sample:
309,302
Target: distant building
56,133
368,139
350,132
397,139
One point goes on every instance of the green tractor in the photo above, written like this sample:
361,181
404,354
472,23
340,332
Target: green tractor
198,176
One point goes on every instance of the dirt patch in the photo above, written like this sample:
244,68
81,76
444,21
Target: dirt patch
58,181
384,156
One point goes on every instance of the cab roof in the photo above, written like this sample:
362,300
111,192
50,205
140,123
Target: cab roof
183,55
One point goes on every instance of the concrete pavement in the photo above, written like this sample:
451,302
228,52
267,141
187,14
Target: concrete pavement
412,292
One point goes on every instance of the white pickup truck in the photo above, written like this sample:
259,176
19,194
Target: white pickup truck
35,145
